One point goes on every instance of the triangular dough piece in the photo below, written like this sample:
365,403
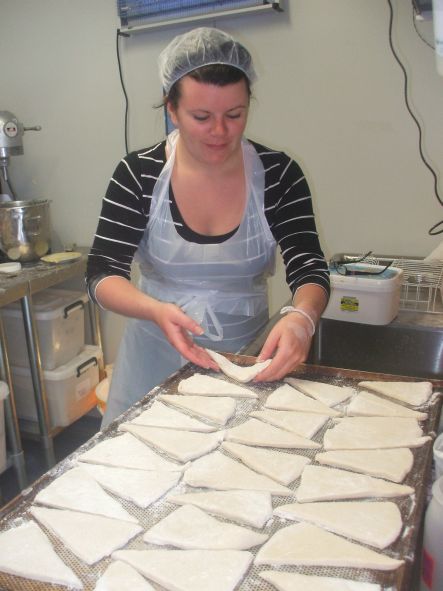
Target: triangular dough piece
90,537
180,445
306,544
248,507
412,393
240,373
392,464
302,423
290,581
25,551
119,576
371,405
190,570
159,415
327,484
327,393
202,385
254,432
222,473
190,528
374,433
288,398
138,486
373,523
218,410
280,466
77,490
126,451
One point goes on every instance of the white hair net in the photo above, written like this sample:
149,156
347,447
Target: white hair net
201,47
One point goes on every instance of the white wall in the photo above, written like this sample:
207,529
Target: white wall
329,93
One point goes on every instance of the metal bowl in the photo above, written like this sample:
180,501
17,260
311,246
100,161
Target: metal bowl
24,229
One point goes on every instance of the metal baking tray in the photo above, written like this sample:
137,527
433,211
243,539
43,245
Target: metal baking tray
411,508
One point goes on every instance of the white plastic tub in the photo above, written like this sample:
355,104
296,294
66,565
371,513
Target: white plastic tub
438,456
59,316
366,299
432,556
4,392
70,389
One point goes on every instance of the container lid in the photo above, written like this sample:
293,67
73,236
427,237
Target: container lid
389,280
4,390
48,304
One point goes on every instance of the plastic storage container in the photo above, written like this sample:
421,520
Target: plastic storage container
59,316
4,392
432,556
366,298
70,388
438,459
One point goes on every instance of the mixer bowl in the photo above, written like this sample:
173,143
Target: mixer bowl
24,229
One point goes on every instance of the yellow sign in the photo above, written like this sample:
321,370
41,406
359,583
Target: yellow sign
349,304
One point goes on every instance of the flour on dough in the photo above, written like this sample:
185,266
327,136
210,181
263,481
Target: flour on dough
290,581
288,398
203,385
327,393
90,537
304,544
254,432
240,373
119,576
413,393
159,415
25,551
302,423
371,405
217,410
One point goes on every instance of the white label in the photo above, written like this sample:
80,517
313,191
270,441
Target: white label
83,389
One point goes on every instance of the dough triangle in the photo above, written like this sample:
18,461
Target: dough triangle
190,570
126,451
159,415
327,393
288,398
302,423
248,507
375,523
240,373
280,466
254,432
222,473
218,410
291,581
327,484
90,537
392,464
306,544
119,576
190,528
77,490
180,445
413,393
138,486
371,405
25,551
202,385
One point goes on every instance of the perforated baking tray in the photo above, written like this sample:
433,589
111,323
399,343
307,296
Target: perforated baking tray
411,507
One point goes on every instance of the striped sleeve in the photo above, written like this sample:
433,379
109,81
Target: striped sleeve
288,209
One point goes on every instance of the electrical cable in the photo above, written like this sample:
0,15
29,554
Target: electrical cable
120,34
434,230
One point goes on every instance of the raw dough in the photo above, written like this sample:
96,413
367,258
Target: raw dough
190,570
326,484
375,523
138,486
291,581
371,405
248,507
159,415
218,410
307,544
77,490
392,464
327,393
240,373
180,445
190,528
126,451
202,385
413,393
254,432
302,423
288,398
25,551
222,473
119,576
280,466
90,537
374,433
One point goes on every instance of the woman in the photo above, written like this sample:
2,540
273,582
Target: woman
202,212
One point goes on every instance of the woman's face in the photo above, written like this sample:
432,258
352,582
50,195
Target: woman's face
211,119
